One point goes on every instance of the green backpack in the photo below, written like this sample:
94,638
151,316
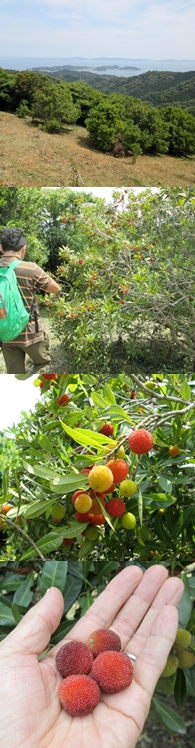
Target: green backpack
13,314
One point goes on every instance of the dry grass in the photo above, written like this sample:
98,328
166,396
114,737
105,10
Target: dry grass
32,158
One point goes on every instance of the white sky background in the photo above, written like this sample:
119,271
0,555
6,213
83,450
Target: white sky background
16,396
158,29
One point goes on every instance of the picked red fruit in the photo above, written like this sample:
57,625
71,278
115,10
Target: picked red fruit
113,671
103,640
79,695
106,429
140,441
73,658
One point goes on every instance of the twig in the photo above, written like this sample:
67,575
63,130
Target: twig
157,396
24,535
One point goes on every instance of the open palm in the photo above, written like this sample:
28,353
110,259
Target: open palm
141,609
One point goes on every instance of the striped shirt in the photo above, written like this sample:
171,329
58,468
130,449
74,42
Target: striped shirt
30,277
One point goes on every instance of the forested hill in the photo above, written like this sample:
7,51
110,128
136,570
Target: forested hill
157,87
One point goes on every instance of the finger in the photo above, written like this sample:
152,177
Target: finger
105,608
169,594
33,633
135,701
133,611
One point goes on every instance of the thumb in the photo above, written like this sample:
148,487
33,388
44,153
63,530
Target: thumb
34,631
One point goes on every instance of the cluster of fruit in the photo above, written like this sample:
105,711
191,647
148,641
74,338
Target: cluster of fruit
181,657
87,668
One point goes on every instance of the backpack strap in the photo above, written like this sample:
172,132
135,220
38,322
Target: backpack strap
14,264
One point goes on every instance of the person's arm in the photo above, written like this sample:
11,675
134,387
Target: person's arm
52,287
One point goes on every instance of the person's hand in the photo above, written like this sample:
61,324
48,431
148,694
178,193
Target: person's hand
141,609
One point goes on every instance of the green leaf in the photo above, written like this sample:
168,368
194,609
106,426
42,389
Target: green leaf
37,508
180,688
16,613
164,484
69,482
53,575
140,507
109,394
47,544
87,603
117,411
42,471
24,594
185,603
185,391
168,717
72,590
99,400
6,616
5,482
190,681
86,437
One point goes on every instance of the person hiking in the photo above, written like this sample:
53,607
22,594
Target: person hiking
30,277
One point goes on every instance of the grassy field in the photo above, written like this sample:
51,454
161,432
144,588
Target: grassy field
32,158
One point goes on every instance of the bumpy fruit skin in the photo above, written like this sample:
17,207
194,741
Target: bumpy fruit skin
58,513
140,441
73,658
83,503
95,514
103,640
128,521
63,400
91,533
106,429
113,671
128,488
170,667
183,639
186,659
119,469
100,478
79,695
49,376
174,450
115,507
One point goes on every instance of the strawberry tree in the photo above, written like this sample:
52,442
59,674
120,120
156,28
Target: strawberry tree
144,511
128,296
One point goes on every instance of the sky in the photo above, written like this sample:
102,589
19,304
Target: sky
16,396
162,29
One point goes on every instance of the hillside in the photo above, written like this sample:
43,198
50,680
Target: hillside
30,157
156,87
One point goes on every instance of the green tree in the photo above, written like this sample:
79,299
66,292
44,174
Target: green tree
181,130
53,106
104,124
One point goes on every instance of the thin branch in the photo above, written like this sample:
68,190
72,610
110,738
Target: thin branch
157,396
27,537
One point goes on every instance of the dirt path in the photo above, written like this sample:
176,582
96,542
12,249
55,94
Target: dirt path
59,362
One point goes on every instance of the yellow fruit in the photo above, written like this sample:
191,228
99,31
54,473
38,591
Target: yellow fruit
2,523
120,452
100,478
128,521
6,508
183,639
186,659
58,512
174,451
110,447
170,667
150,385
127,488
83,503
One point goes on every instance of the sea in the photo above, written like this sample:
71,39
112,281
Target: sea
136,66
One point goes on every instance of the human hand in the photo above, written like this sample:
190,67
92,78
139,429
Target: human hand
141,609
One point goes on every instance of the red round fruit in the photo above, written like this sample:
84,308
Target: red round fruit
113,671
115,507
63,400
79,695
106,429
103,640
74,657
119,469
49,376
140,441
